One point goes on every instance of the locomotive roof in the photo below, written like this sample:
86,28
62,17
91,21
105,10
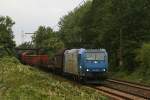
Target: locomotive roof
82,50
95,50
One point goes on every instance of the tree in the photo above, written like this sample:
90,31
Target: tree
70,27
120,26
143,57
41,35
47,39
26,45
6,34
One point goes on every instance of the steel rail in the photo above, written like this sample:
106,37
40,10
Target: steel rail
131,84
112,94
129,88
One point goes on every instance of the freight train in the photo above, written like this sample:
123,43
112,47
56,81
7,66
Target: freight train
86,65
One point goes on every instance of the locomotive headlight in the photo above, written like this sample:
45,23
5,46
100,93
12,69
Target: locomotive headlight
95,62
80,67
87,70
104,70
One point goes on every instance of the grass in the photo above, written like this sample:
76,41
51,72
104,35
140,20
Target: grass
139,76
20,82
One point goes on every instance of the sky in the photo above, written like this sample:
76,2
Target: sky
29,14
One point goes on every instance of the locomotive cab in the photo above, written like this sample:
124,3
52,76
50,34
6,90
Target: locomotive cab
86,64
93,63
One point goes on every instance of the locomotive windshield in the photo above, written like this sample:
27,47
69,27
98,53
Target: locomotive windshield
95,56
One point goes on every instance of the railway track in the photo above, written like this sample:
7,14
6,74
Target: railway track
123,90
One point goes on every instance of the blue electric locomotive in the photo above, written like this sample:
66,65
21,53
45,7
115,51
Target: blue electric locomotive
87,64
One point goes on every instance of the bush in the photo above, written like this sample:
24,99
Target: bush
143,57
2,52
9,59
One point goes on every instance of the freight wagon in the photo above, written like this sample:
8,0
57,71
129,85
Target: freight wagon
34,60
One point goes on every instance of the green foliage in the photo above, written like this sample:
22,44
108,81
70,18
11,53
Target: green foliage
142,72
47,39
120,26
19,82
26,45
143,57
41,36
70,26
6,37
2,52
